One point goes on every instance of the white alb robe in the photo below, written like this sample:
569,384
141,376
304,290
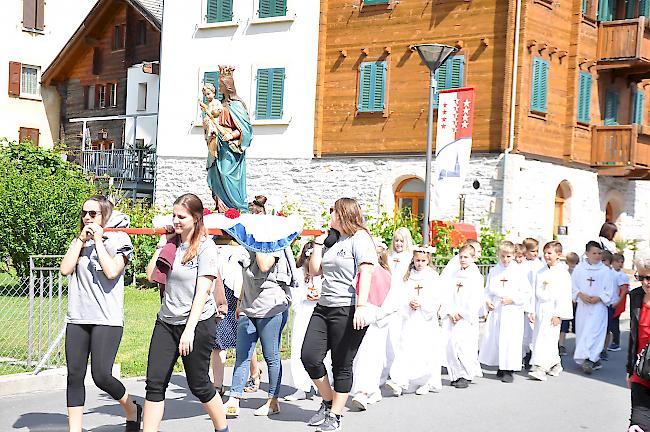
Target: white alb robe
418,351
591,319
463,296
504,330
553,298
399,263
532,267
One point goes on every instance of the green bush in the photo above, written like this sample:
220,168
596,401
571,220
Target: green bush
141,214
385,224
40,198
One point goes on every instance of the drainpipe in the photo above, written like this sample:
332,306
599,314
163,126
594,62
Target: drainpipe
513,101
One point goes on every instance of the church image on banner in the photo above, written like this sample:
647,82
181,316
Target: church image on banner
568,154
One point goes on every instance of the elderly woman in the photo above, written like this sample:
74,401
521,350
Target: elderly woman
639,337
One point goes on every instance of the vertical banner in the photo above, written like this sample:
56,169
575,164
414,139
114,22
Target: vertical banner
453,150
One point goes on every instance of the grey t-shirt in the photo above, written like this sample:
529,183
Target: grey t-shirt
181,283
92,297
340,265
266,294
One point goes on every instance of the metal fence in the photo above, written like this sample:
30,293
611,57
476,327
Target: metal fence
32,313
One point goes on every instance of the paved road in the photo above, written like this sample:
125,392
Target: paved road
572,402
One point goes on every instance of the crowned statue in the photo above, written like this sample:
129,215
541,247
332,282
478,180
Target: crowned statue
228,133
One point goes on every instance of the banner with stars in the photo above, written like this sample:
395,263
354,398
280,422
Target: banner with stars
453,150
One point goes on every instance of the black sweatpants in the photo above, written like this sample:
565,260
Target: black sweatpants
101,342
640,406
163,353
330,328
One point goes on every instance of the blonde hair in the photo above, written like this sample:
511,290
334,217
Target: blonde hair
348,212
194,206
555,245
520,248
506,247
407,275
406,236
572,258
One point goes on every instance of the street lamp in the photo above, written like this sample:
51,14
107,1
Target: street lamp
433,55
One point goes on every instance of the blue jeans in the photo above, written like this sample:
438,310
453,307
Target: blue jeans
269,332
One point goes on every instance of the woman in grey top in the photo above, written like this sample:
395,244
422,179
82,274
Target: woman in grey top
95,263
263,312
185,325
339,320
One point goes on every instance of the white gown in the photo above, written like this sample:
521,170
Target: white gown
504,330
418,354
552,299
591,319
464,296
532,268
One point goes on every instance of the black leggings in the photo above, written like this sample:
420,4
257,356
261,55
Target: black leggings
330,328
163,353
640,406
102,343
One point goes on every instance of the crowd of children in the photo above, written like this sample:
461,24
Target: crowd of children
528,303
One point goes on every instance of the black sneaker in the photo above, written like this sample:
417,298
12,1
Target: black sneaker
507,377
320,416
332,423
499,373
588,367
527,357
563,351
604,355
453,383
461,383
597,365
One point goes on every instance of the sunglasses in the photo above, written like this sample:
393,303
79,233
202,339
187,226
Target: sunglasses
642,278
91,213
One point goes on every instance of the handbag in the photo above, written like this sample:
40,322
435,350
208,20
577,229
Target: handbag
642,365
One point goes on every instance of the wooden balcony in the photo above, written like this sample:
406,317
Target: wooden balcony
621,151
624,45
131,170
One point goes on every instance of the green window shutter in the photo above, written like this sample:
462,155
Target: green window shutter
644,8
280,8
611,108
262,96
224,13
605,10
379,86
365,86
538,96
212,77
374,2
450,75
584,97
637,107
212,11
277,94
630,8
584,7
272,8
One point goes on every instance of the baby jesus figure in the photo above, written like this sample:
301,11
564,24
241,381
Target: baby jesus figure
211,126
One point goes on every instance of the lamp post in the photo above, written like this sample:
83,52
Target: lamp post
433,56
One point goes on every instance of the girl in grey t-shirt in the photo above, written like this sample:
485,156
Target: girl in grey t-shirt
185,325
95,264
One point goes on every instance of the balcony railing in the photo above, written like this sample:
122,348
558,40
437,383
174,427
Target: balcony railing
623,146
624,43
130,165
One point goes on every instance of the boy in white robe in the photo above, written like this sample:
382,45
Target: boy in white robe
460,311
532,265
553,303
592,290
418,350
507,292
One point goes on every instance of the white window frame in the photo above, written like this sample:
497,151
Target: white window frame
286,100
142,96
24,94
101,102
112,98
204,24
288,17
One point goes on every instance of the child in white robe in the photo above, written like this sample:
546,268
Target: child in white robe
553,303
418,350
592,291
460,311
507,291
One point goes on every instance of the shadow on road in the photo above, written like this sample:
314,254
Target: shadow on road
42,422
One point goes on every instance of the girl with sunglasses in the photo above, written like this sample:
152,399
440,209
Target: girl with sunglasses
639,337
95,263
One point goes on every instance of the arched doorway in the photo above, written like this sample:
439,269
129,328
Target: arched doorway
561,213
409,193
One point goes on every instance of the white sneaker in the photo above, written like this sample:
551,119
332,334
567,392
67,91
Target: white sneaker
555,370
296,396
360,401
394,388
537,374
374,398
422,390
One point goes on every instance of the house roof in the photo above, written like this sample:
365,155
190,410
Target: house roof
151,10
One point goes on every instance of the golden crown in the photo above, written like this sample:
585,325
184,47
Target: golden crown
225,70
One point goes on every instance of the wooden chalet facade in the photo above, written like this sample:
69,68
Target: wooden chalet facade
90,74
581,95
